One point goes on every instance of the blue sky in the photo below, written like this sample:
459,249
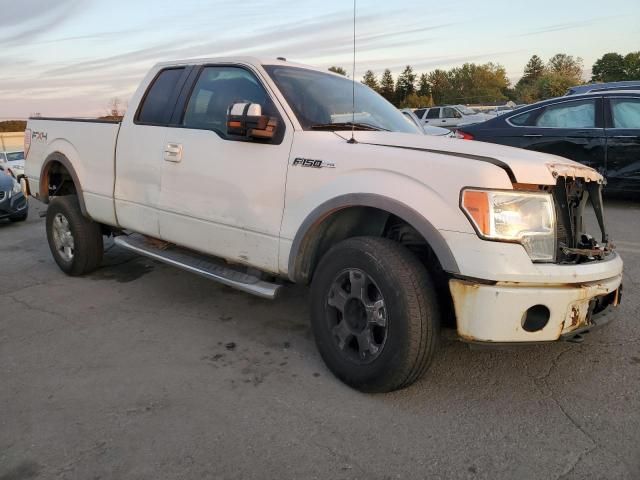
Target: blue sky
69,57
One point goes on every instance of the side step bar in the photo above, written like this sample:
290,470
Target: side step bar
200,264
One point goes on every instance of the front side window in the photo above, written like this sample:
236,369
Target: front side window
217,89
156,106
625,112
580,114
449,113
322,101
433,113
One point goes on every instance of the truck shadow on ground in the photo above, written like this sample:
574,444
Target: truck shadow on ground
284,323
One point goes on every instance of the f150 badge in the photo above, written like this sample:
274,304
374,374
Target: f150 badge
308,162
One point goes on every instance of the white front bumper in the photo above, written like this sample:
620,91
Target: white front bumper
496,312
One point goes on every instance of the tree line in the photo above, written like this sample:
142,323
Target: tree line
488,83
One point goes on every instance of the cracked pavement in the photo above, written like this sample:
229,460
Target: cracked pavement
146,372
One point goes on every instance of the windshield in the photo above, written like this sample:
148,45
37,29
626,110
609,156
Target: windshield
465,110
15,156
320,99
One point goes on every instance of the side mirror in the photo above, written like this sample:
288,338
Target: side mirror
457,114
246,120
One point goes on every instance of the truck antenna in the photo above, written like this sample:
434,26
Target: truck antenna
353,80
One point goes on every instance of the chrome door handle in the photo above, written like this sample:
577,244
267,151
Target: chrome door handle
173,152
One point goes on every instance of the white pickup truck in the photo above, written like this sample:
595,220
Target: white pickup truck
258,173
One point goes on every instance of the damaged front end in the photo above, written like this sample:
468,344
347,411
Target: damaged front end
570,292
571,195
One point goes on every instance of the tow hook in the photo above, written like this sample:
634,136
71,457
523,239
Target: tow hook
577,338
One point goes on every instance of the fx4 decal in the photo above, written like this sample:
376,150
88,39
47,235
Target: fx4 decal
39,136
308,162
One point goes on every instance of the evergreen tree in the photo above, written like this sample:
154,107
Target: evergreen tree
533,70
370,80
406,84
338,70
424,90
387,84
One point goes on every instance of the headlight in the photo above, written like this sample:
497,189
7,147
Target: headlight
17,188
527,218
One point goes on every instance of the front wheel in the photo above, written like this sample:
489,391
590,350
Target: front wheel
374,314
74,240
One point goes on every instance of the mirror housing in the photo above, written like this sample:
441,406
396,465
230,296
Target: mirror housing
246,120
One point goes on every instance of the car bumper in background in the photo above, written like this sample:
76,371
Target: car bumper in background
10,206
507,312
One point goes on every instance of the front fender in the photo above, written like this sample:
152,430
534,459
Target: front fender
390,205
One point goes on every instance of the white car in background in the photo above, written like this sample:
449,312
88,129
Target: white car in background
14,162
426,129
450,116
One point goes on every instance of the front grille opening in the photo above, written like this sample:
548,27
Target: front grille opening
580,237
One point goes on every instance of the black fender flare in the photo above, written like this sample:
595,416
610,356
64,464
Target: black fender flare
44,179
433,237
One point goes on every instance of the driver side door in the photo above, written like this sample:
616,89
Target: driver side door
224,195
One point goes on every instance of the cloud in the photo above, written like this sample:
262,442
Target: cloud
43,16
560,27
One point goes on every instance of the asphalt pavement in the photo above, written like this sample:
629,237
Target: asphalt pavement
142,371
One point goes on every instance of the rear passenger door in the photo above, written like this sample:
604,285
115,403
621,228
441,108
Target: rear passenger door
572,129
623,143
139,153
221,194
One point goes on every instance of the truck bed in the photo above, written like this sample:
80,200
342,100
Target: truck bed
90,147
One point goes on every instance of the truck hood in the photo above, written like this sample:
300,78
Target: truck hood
522,166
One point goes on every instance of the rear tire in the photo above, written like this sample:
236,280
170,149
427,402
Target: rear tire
74,240
374,314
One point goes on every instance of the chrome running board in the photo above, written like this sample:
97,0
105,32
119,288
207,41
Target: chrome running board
200,264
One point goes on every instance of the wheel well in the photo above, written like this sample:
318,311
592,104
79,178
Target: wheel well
58,178
369,221
57,181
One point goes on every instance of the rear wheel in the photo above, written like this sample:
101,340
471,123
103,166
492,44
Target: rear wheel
374,314
74,240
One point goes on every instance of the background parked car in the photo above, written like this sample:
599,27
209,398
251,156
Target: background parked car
601,87
601,130
14,161
449,116
426,129
13,204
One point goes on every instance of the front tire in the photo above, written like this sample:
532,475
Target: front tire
74,240
374,314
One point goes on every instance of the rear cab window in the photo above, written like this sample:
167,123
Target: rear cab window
216,90
159,100
420,112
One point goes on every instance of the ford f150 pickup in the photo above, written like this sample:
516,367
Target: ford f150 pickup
261,173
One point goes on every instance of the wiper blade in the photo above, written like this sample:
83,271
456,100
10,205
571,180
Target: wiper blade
348,126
